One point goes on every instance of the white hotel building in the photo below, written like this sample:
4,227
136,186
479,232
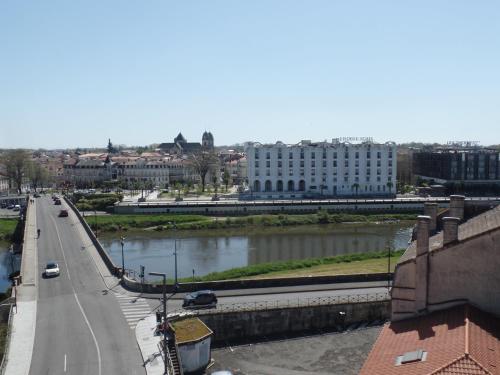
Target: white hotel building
308,169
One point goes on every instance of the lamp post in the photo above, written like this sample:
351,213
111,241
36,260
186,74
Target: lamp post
388,267
175,254
122,242
164,276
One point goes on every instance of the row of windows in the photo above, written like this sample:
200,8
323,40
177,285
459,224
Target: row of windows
313,154
324,164
268,186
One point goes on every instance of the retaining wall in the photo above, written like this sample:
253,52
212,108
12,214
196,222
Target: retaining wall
104,255
234,326
135,286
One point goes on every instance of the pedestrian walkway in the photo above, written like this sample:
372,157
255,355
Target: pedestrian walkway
134,308
149,346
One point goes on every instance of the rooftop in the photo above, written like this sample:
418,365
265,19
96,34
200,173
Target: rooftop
480,224
190,330
461,340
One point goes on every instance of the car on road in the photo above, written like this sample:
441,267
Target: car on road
52,269
200,299
57,202
63,213
222,373
36,195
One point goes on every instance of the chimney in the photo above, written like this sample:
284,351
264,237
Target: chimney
457,206
430,209
450,230
422,265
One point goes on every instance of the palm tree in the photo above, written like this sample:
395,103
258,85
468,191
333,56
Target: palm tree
390,186
355,186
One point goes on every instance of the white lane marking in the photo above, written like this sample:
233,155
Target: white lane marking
65,363
78,301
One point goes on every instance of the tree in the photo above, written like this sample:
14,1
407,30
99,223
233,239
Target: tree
37,174
390,185
17,165
111,149
226,178
202,163
355,186
215,181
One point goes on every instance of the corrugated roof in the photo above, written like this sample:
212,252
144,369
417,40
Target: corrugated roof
448,336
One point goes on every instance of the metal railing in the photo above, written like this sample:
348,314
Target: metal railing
291,303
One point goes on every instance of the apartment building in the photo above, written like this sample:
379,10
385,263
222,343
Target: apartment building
343,167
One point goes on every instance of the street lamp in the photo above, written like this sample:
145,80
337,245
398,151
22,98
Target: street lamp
175,253
388,267
164,276
122,242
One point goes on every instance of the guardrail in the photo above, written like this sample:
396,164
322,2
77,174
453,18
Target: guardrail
290,303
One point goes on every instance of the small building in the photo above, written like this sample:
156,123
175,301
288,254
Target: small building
193,340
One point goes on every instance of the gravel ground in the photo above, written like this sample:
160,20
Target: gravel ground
328,354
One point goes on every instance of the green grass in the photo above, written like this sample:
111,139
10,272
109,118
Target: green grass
112,223
356,264
7,228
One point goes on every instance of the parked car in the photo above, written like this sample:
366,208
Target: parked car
17,207
63,213
3,205
200,299
57,202
52,269
10,206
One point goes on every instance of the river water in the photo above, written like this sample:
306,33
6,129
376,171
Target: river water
219,250
8,264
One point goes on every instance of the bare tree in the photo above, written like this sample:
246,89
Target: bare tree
38,174
203,162
17,167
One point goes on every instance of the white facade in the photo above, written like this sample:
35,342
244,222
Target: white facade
321,169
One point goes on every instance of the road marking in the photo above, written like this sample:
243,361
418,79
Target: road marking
78,301
133,308
65,363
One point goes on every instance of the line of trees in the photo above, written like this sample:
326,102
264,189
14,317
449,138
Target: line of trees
19,169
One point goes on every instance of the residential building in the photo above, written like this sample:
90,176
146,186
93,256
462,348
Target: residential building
321,169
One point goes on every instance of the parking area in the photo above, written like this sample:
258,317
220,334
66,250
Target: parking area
341,353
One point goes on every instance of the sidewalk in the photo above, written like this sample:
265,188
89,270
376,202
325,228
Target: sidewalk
149,345
18,357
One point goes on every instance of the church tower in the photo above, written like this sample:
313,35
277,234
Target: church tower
207,140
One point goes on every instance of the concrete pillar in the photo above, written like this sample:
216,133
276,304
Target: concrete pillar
431,209
450,230
457,203
422,264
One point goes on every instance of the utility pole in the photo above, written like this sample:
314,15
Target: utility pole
122,242
388,267
164,276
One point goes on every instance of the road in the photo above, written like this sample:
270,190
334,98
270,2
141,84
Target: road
80,328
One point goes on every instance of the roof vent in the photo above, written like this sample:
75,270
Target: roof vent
410,357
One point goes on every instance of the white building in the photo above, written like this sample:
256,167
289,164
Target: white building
325,169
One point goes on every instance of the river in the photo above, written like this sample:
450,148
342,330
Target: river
8,264
218,250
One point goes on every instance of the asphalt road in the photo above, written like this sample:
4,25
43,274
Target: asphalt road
80,328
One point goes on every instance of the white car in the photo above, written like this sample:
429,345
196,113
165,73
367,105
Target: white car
52,269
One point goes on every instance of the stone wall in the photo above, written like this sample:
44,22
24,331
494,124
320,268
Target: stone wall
250,325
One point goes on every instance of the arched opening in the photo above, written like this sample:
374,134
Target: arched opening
291,185
279,185
268,186
302,185
256,186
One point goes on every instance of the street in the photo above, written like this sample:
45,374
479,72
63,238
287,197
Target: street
80,328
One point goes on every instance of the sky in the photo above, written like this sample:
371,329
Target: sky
75,73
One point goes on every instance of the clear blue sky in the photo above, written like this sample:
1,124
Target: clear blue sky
75,73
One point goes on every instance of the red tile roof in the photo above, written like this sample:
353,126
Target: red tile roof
459,340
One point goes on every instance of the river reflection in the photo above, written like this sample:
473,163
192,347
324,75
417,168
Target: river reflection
218,250
8,264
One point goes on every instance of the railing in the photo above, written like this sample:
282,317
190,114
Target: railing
292,303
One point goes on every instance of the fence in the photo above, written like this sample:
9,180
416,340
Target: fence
289,303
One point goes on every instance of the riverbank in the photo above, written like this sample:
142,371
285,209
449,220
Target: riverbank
7,229
165,222
360,263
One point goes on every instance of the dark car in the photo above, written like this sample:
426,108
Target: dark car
199,299
57,202
63,213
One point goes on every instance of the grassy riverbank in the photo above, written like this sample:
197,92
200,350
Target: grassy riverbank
370,262
7,228
160,222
